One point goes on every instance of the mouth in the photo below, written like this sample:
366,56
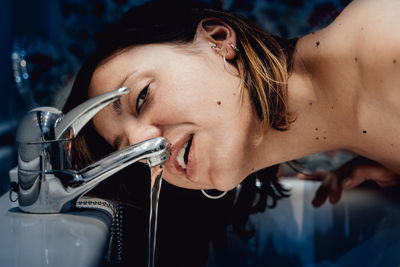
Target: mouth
183,155
182,163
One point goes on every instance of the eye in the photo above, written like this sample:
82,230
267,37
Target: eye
141,99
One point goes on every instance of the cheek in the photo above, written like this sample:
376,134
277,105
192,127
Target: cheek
176,102
106,126
203,102
196,86
98,123
232,143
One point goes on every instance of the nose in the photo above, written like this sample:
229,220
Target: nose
137,133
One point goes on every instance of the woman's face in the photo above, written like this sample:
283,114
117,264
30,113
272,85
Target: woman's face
185,94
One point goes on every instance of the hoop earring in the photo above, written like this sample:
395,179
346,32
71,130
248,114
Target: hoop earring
226,63
229,68
213,197
234,47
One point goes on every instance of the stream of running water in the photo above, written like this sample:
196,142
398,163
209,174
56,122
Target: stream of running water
154,196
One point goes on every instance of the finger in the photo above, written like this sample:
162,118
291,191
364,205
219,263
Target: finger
316,176
329,188
302,176
347,183
382,176
387,183
356,178
320,196
280,172
335,190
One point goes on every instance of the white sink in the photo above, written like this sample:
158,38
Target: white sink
75,239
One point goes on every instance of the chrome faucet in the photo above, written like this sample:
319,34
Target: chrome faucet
47,182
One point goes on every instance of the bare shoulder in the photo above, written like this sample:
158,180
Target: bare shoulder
365,41
373,8
367,33
356,62
377,13
369,27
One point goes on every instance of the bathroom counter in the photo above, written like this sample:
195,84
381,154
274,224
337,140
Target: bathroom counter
77,239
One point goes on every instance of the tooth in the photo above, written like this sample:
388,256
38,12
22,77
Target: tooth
180,157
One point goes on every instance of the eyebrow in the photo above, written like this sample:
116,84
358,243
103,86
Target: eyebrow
125,79
117,107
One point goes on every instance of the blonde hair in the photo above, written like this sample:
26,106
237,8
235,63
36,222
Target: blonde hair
264,71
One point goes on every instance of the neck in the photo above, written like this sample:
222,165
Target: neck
316,126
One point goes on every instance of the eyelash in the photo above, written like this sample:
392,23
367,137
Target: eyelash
141,97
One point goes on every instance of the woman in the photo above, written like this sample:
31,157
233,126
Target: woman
232,99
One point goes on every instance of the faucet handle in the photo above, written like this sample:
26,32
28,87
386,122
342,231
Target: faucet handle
80,115
44,124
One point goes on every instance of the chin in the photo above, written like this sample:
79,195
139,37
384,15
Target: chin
227,179
227,186
183,182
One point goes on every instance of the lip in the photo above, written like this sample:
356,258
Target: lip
172,164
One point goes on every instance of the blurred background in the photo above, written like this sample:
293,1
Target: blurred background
45,41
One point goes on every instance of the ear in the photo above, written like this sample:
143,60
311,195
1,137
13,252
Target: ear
215,31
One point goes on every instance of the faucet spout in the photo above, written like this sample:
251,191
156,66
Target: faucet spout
74,184
155,151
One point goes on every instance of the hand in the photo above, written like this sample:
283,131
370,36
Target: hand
350,175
